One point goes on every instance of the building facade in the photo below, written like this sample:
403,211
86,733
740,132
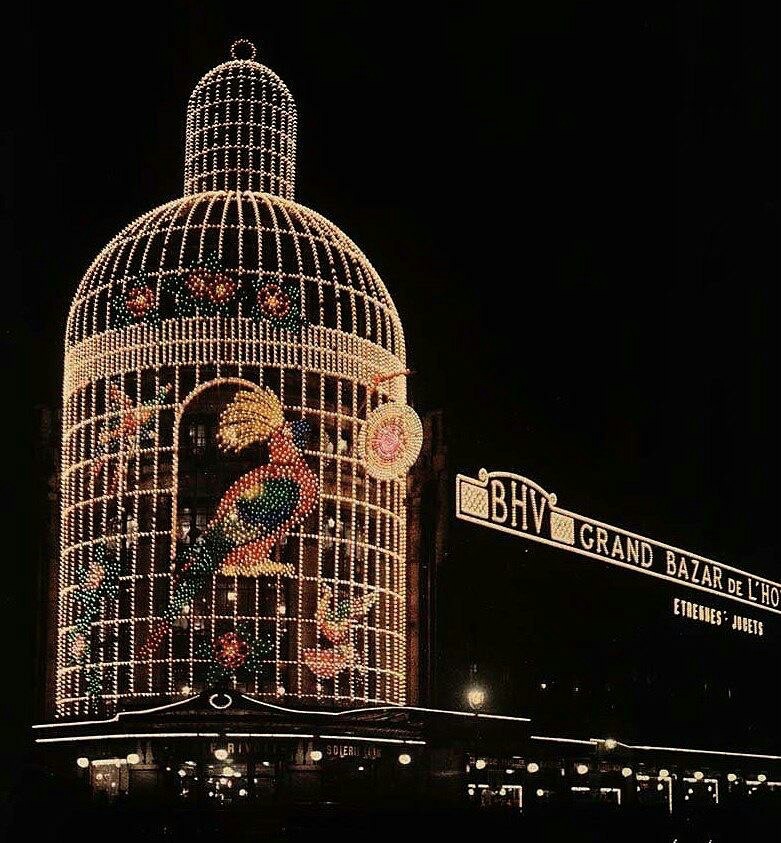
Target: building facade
236,437
251,551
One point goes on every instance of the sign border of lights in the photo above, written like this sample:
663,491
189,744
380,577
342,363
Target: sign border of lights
476,506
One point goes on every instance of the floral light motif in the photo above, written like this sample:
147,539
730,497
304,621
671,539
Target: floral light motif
140,300
135,302
390,441
235,655
98,581
387,440
276,301
205,289
231,651
335,624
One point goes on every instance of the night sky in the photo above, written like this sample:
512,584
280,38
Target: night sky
575,211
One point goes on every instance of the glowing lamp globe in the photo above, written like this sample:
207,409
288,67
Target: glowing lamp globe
476,697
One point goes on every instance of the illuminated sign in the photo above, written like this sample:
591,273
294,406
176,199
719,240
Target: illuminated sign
515,505
344,750
716,617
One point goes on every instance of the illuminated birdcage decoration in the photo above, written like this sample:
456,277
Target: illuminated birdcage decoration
235,439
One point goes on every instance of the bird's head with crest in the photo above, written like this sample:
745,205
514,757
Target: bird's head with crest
255,416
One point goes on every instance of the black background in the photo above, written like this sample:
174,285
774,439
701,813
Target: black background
574,207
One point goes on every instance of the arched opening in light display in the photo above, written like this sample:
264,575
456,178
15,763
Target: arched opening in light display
203,470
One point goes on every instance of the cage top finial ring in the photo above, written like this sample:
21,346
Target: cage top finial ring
243,49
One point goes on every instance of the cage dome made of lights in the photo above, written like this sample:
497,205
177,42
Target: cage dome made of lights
195,556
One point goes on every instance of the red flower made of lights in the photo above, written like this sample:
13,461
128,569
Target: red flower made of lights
231,651
197,282
95,576
387,441
274,301
79,646
140,300
222,288
203,283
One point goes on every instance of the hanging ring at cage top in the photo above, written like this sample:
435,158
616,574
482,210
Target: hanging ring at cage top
243,45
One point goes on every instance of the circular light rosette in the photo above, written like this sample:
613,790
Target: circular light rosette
390,441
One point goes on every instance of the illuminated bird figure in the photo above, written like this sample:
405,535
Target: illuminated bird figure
336,625
259,509
129,424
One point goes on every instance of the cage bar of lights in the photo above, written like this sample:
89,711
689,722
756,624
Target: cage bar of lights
232,288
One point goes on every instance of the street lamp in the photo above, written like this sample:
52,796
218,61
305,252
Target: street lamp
476,697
